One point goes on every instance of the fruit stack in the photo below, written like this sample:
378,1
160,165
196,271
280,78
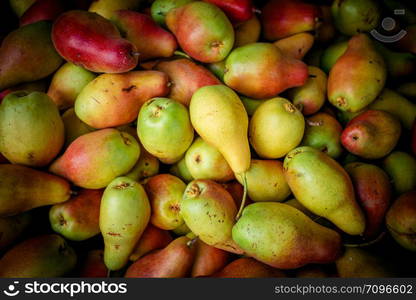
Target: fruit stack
182,138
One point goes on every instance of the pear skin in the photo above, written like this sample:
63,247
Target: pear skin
247,32
283,237
208,260
107,8
180,170
40,256
11,228
401,167
35,86
112,100
236,10
173,261
146,166
209,211
20,6
152,238
93,265
407,89
160,8
78,218
297,45
42,10
67,82
331,54
19,63
324,188
247,267
74,127
124,215
112,152
251,104
22,189
357,77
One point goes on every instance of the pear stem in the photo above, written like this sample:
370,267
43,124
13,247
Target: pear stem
180,53
243,201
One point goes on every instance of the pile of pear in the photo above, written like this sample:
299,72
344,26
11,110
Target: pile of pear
182,138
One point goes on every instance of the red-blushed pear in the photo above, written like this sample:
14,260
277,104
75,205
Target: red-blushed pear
247,267
151,41
282,18
208,259
203,31
93,265
79,35
42,10
236,10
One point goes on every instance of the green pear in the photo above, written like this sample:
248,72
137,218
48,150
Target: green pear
67,82
283,237
271,114
209,211
324,188
332,54
11,228
20,6
401,167
146,166
164,129
205,162
106,8
27,54
160,8
251,104
31,129
180,170
124,215
38,257
266,181
74,127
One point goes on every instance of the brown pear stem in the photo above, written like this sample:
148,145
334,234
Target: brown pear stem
192,242
243,201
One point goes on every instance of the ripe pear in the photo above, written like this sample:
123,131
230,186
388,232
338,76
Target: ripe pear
160,8
296,45
205,162
173,261
246,267
11,228
107,8
209,211
401,220
146,166
79,35
78,218
203,31
312,95
323,132
112,100
283,237
372,134
236,10
260,70
20,63
165,193
42,10
208,260
331,54
74,127
34,86
401,167
251,104
94,159
67,82
40,256
276,127
152,238
357,77
324,188
22,189
186,77
373,192
124,215
180,170
265,181
31,129
247,32
164,129
93,265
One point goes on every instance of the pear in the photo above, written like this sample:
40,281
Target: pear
110,151
164,129
165,193
182,230
355,16
209,211
251,104
74,127
398,64
160,8
297,45
246,267
67,82
42,10
79,35
11,228
205,162
312,95
173,261
401,167
236,10
331,54
208,260
276,127
112,100
124,215
218,69
203,31
152,238
31,129
283,237
311,271
34,86
22,189
146,166
265,181
40,256
19,63
186,77
323,132
107,8
93,265
247,32
373,191
372,134
401,220
179,169
20,6
357,77
407,89
326,31
324,188
260,70
78,218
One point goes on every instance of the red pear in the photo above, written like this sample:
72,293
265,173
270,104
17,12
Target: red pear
42,10
248,268
208,260
236,10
